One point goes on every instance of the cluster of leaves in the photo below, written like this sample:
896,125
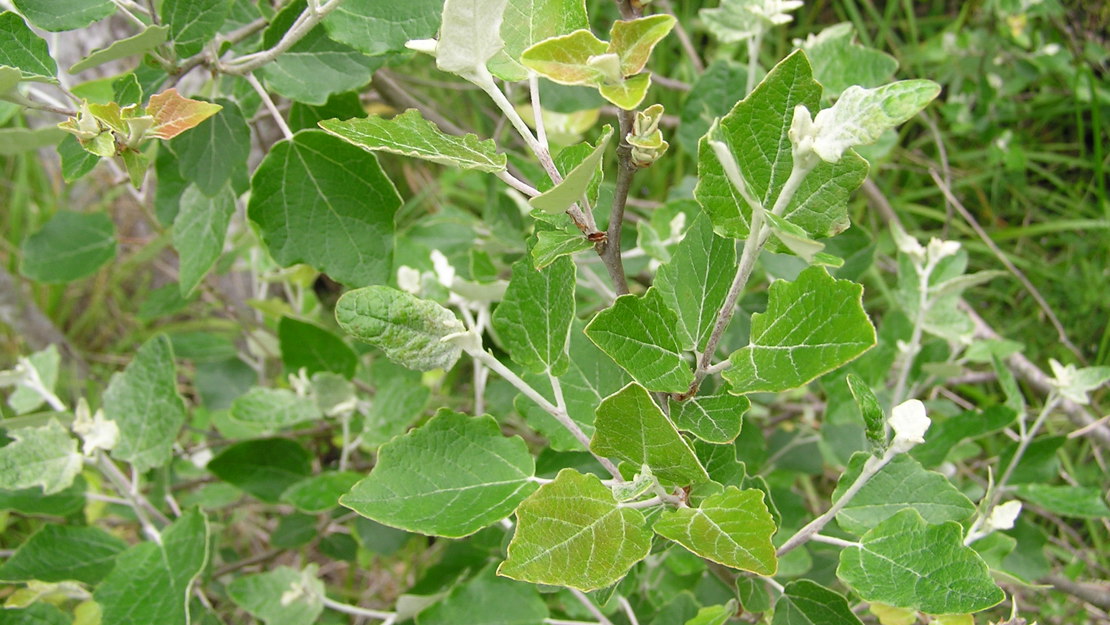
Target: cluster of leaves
592,449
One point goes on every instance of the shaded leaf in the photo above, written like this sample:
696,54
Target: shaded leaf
69,247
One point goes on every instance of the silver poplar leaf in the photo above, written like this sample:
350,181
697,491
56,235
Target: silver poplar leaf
45,456
469,36
410,330
732,528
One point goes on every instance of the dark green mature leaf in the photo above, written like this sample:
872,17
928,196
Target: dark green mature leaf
732,528
199,231
63,503
450,477
322,201
572,532
947,434
60,552
320,493
534,317
312,348
264,468
1070,501
144,402
265,410
265,595
377,27
22,49
812,326
193,23
907,563
873,418
641,334
76,161
763,119
44,456
35,614
807,603
213,152
712,418
69,247
410,330
488,599
630,426
59,15
151,582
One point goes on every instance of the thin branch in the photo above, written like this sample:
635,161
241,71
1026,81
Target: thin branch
517,183
357,611
627,607
301,27
581,596
610,249
272,108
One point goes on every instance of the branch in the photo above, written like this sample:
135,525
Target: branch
304,25
610,249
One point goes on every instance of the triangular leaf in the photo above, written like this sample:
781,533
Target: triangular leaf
535,315
530,21
174,114
574,185
732,528
641,335
806,603
712,418
633,40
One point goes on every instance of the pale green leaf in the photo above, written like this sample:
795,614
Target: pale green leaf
69,247
902,483
469,36
807,603
907,563
861,115
696,281
630,426
629,93
712,418
565,59
282,596
533,319
273,409
633,40
450,477
61,15
737,20
1069,501
641,335
144,402
45,456
20,140
714,614
732,528
216,150
559,198
57,553
528,22
193,23
410,330
322,201
22,49
811,326
487,599
375,27
198,234
412,135
152,583
151,37
572,532
45,363
551,244
839,62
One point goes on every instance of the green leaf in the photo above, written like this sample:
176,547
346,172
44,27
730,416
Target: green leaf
399,397
714,614
412,135
264,467
152,583
76,161
19,140
374,27
320,493
559,198
566,59
533,319
199,231
806,603
410,330
312,348
45,363
193,23
315,67
215,150
32,501
711,95
737,20
22,49
69,247
629,93
57,553
630,426
633,40
266,410
34,614
273,596
469,36
451,477
60,15
322,201
151,37
1069,501
902,483
839,62
572,532
144,402
641,335
907,563
44,456
712,418
946,435
873,418
763,119
487,599
732,528
812,326
696,281
528,22
551,244
860,116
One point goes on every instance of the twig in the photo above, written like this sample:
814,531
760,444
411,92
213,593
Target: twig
354,610
268,102
517,183
301,27
610,249
581,596
627,607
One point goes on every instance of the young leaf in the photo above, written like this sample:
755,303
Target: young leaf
487,599
152,583
216,151
144,402
322,201
470,35
574,185
283,596
151,37
572,532
408,329
633,40
273,409
732,528
535,315
695,282
174,114
199,232
712,418
873,418
907,563
193,23
412,135
57,553
62,15
528,22
641,335
737,20
375,27
551,244
902,483
629,93
812,326
45,363
450,477
805,603
312,348
631,427
44,456
566,59
22,49
263,467
69,247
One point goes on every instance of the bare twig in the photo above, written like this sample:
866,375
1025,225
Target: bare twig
610,249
